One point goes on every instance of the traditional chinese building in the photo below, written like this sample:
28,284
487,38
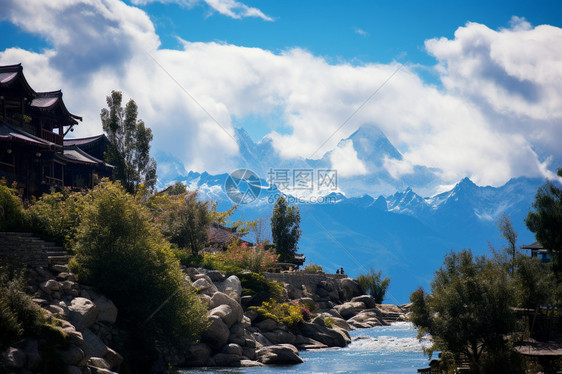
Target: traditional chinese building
33,151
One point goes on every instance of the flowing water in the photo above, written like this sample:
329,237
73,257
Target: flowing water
384,349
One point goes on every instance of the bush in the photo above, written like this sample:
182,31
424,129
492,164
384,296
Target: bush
329,322
256,285
19,315
56,216
288,313
313,268
372,284
121,253
12,214
256,259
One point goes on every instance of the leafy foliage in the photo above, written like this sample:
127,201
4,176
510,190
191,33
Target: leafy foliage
184,220
285,229
546,221
313,268
122,254
56,216
12,214
256,285
130,140
468,311
288,313
255,259
372,284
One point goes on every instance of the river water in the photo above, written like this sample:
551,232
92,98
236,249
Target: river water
383,349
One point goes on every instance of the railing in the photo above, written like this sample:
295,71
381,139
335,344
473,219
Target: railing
51,136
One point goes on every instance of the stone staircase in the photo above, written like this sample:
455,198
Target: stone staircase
23,247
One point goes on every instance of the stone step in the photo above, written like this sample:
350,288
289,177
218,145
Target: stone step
58,260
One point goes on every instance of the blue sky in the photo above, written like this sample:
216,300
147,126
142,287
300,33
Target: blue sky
478,93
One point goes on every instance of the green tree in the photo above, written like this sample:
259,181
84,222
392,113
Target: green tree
185,221
546,222
510,235
130,140
372,284
468,311
285,229
121,253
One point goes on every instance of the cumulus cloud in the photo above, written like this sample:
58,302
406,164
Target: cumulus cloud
230,8
498,106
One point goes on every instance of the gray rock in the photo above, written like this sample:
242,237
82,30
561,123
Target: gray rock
249,352
71,369
98,362
250,364
324,335
225,313
349,309
198,354
232,349
220,298
281,354
302,342
71,355
349,288
94,346
107,310
83,313
216,335
251,314
113,359
267,325
225,359
14,358
202,285
368,300
50,286
214,275
261,339
280,337
233,283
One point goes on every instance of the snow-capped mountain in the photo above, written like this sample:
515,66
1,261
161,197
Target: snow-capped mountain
391,226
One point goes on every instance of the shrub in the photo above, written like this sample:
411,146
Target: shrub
372,284
256,259
19,315
313,268
56,216
122,254
256,285
12,214
329,322
287,313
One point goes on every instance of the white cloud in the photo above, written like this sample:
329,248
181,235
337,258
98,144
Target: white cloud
361,32
344,159
498,107
230,8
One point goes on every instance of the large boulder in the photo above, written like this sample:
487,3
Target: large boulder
368,300
302,342
281,354
349,309
198,354
349,288
323,334
225,313
267,325
232,283
14,358
83,313
220,298
225,359
280,337
107,310
202,285
94,347
366,318
216,335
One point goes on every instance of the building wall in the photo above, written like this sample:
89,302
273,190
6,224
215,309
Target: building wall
297,279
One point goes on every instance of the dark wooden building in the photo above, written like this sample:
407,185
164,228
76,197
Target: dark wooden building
33,151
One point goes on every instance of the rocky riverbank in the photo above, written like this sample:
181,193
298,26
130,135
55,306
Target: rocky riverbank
236,335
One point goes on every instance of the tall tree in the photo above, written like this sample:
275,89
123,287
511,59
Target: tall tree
546,222
285,229
509,234
130,140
